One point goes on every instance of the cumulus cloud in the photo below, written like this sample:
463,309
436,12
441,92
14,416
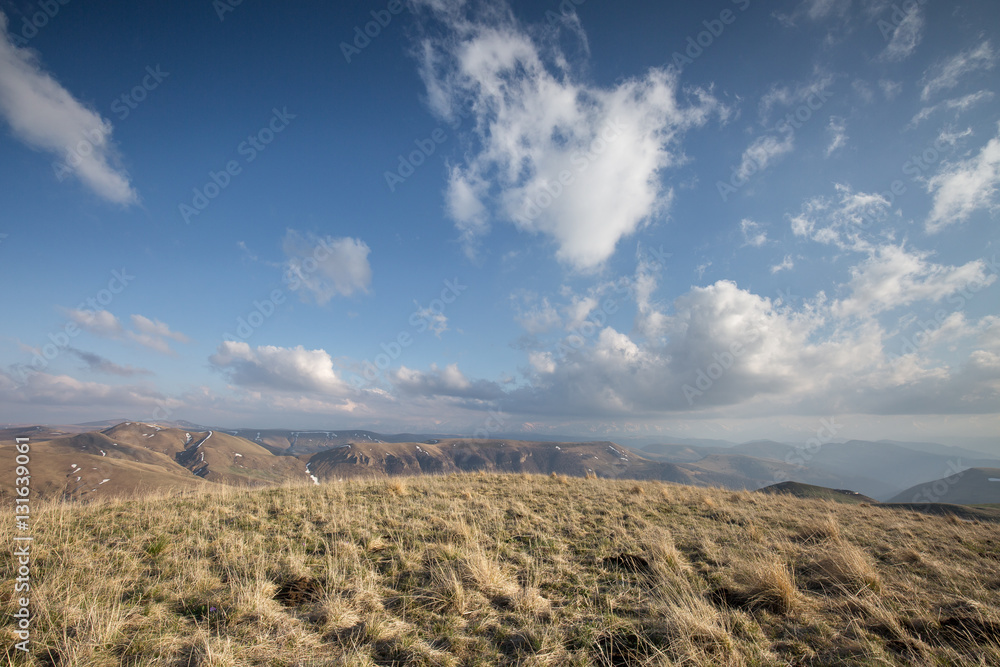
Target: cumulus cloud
535,316
320,268
946,74
278,368
45,116
447,381
578,164
965,187
98,322
893,277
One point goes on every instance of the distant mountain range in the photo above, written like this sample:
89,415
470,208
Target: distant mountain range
880,469
102,458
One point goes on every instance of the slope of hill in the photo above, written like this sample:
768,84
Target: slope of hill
975,486
800,490
92,465
601,459
503,570
297,443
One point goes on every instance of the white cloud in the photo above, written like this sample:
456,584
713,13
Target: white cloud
959,104
148,333
436,320
753,233
538,317
534,123
891,89
45,116
945,75
838,135
786,264
447,381
965,187
98,322
278,368
905,37
842,221
63,391
763,152
321,268
463,205
153,334
813,10
893,277
783,95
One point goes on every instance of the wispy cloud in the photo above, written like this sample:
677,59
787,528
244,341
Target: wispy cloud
98,364
946,74
44,115
905,37
958,104
153,334
837,129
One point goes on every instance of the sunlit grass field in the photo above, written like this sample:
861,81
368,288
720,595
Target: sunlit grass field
503,569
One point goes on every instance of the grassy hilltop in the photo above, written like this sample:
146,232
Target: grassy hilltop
477,569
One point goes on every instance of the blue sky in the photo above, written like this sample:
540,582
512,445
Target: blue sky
734,219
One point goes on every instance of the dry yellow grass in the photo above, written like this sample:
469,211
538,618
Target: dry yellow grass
512,569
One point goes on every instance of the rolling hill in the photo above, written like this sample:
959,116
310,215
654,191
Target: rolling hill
800,490
975,486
